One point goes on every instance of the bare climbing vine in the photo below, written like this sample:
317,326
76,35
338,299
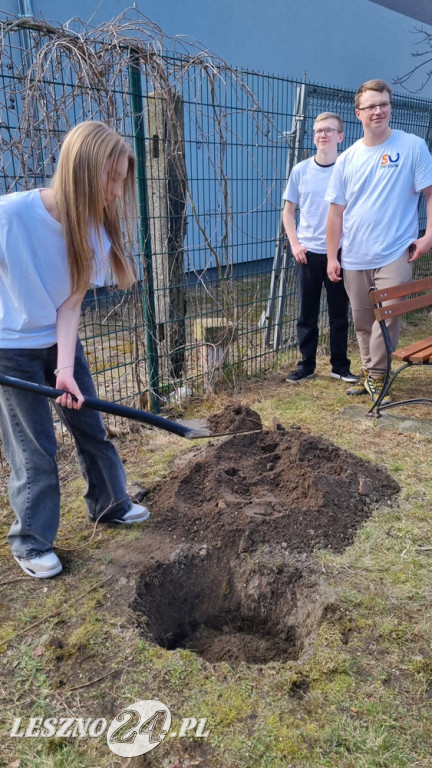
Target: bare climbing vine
54,76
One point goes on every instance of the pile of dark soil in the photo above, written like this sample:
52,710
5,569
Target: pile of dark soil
271,487
240,522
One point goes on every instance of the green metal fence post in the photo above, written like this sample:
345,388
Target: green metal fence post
137,115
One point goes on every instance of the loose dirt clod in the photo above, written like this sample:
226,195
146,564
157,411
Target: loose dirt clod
234,418
246,516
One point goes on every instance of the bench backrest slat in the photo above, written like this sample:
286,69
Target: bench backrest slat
399,291
401,307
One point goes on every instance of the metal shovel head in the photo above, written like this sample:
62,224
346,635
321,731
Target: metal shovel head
197,427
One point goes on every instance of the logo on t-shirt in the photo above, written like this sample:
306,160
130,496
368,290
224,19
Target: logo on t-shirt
388,162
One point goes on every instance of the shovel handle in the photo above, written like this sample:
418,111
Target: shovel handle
106,407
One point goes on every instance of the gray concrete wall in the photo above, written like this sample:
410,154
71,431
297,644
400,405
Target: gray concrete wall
334,42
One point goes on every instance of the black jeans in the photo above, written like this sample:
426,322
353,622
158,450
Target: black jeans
310,279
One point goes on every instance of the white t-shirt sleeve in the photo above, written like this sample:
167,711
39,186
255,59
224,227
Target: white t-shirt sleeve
336,188
423,169
292,188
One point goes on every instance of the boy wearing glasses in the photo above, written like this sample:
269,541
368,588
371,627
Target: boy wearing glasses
306,189
373,195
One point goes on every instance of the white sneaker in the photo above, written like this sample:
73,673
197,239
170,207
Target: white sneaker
136,514
41,566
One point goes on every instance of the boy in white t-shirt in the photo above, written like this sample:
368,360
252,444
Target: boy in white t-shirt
373,195
306,189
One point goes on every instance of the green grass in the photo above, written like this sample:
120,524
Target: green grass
360,697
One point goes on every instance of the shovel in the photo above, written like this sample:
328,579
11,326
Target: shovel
114,408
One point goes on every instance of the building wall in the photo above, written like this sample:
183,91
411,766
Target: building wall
332,42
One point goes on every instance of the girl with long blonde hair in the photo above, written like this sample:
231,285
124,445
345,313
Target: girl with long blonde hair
54,243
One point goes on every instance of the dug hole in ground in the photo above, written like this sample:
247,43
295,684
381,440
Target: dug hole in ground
227,563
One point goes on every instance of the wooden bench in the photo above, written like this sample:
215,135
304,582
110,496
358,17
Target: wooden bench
391,302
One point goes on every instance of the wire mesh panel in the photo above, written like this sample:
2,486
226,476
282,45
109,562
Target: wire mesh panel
214,147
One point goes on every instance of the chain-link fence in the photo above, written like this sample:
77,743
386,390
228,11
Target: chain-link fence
215,300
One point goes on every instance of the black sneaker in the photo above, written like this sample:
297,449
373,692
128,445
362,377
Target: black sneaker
345,376
298,375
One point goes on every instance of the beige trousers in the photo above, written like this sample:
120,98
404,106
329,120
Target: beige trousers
368,332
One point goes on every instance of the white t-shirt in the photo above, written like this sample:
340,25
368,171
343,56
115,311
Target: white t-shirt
380,187
307,186
34,274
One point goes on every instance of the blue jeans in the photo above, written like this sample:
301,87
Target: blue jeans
30,447
310,279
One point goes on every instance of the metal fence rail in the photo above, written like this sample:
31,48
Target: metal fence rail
216,299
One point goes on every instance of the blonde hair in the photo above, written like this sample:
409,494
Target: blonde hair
372,85
77,187
332,116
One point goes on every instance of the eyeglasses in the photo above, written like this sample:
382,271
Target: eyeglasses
325,131
372,107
